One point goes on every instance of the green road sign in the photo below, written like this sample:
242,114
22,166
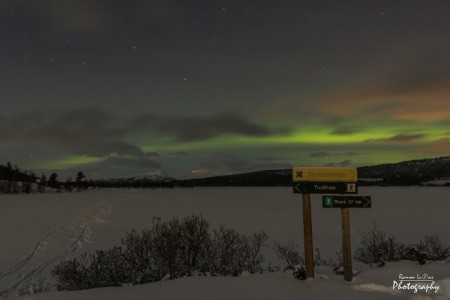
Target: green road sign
343,201
326,187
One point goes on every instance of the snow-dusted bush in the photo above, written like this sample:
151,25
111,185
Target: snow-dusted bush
432,245
288,254
228,252
333,260
72,274
171,249
177,245
299,272
105,268
293,261
412,253
377,247
250,251
430,248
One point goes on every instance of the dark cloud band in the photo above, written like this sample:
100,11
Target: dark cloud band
190,129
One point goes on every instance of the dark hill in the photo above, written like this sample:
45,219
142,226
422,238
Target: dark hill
260,178
413,172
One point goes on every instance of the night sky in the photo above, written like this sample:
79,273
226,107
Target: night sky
199,88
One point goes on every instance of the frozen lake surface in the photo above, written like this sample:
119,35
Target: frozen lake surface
39,230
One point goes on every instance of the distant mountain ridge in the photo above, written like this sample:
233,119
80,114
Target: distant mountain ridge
159,175
413,172
258,178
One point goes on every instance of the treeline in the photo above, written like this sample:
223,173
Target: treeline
15,181
260,178
131,183
413,172
11,176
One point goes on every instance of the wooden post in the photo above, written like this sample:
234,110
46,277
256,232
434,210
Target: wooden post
307,239
346,246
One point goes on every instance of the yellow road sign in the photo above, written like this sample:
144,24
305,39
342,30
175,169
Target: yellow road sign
324,174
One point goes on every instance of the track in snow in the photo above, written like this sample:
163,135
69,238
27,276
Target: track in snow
33,272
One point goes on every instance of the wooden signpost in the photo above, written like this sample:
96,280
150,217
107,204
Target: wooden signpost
346,244
309,180
344,202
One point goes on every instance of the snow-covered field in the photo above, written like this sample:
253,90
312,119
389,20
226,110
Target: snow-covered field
38,230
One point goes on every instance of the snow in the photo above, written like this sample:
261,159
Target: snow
38,230
438,182
159,175
369,285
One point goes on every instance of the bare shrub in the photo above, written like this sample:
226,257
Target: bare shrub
250,251
288,254
412,253
140,259
432,245
72,274
222,252
377,247
174,248
178,244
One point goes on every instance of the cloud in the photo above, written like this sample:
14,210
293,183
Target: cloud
151,154
86,16
67,15
346,130
190,129
407,84
94,132
438,146
319,154
269,158
344,163
87,131
400,138
138,163
227,163
412,88
349,153
178,153
109,148
81,15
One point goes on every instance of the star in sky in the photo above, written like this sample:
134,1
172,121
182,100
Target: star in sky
96,85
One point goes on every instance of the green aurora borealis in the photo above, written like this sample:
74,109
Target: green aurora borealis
199,88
